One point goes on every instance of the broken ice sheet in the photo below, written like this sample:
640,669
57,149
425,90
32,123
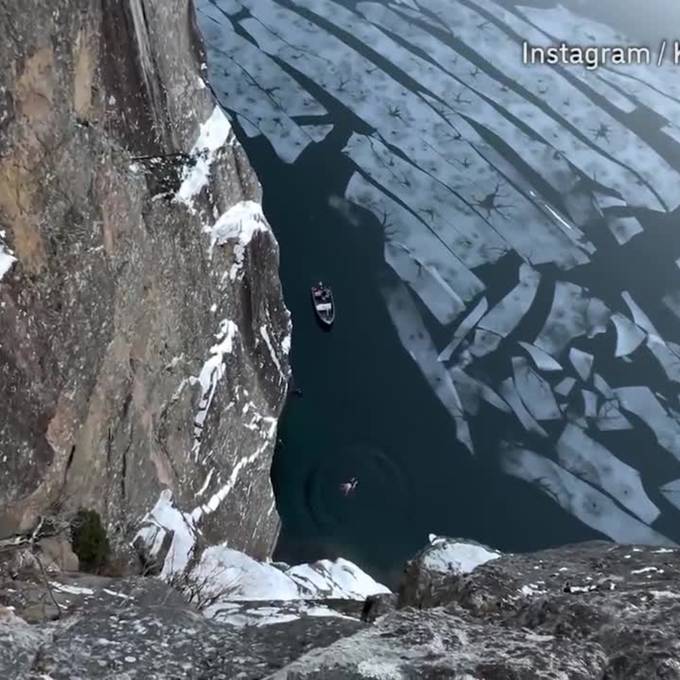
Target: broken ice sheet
574,313
628,336
472,390
535,392
466,325
438,207
437,296
655,87
641,402
582,362
589,403
672,492
605,133
564,387
543,360
592,462
417,341
509,392
423,245
506,315
579,498
255,87
611,419
663,352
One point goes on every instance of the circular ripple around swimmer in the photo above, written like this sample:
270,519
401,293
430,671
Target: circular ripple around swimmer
379,477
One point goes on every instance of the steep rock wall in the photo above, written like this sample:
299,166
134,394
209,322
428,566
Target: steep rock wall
143,335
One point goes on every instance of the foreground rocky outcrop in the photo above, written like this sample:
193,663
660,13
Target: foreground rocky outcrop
593,611
582,612
143,335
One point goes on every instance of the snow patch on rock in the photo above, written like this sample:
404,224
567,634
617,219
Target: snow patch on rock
213,135
446,555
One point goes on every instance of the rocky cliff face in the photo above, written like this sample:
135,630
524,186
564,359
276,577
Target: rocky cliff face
143,335
593,611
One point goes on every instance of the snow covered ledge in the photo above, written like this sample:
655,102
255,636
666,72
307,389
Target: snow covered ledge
453,556
231,586
437,572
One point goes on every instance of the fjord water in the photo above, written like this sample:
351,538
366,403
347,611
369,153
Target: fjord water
366,410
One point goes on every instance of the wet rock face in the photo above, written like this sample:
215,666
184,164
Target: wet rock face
137,350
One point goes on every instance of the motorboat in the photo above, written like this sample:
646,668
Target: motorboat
324,306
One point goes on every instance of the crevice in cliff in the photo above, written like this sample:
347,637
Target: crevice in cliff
130,76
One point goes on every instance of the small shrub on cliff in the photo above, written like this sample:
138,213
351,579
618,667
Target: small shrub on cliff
89,541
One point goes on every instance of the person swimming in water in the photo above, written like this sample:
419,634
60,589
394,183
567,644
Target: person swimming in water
348,488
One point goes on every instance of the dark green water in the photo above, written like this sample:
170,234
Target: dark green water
367,412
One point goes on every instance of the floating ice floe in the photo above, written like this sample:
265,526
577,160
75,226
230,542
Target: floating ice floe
610,418
565,386
628,336
589,403
511,395
417,341
213,135
580,499
672,492
574,313
534,392
641,402
582,362
472,390
543,360
425,281
466,325
651,87
593,463
265,99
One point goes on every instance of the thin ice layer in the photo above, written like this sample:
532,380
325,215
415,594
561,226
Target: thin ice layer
628,336
672,492
534,391
641,402
632,155
417,341
263,96
574,313
582,362
436,294
543,360
424,247
593,463
466,325
511,395
579,498
505,316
